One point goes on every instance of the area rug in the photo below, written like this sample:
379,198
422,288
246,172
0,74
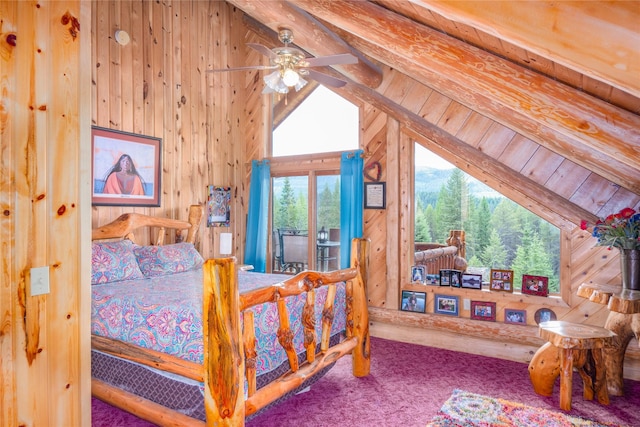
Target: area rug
464,409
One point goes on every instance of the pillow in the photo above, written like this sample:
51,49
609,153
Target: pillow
113,262
167,259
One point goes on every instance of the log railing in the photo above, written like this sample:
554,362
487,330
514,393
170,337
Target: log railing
435,257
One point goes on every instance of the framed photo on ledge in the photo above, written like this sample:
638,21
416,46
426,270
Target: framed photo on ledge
483,310
418,273
125,168
516,317
471,281
375,195
414,301
501,280
446,304
535,285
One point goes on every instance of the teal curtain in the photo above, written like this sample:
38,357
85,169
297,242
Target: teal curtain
351,202
258,216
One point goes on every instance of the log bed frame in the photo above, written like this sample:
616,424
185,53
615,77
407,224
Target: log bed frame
229,355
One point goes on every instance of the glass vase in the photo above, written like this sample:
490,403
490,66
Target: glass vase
630,269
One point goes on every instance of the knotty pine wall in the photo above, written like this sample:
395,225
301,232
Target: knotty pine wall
158,85
44,196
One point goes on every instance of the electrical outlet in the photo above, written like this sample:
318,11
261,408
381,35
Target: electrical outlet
39,281
466,304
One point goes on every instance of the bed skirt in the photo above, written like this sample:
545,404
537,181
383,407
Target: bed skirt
175,392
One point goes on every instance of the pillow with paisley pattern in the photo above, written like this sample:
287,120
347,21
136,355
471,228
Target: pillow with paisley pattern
113,262
167,259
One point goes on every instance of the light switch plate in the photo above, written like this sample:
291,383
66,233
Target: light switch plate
39,281
466,304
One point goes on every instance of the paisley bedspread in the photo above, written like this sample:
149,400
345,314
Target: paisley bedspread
165,314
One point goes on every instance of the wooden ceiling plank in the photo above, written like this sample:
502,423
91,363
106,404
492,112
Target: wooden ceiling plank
567,178
311,35
488,170
598,39
560,118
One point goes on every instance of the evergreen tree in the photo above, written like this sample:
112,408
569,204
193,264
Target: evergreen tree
421,226
284,213
494,254
532,259
326,208
505,220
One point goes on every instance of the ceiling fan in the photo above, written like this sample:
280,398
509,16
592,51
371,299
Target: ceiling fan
290,64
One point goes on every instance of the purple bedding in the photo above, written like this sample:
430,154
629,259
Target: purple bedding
165,314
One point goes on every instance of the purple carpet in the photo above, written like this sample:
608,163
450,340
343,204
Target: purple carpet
407,386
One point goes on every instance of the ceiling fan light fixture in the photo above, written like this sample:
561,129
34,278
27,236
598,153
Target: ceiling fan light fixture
290,77
301,83
274,83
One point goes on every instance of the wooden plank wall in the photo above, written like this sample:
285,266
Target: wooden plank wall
44,127
158,85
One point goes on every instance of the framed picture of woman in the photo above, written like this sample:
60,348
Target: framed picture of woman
125,168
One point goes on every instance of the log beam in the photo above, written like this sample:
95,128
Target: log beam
569,33
311,35
595,134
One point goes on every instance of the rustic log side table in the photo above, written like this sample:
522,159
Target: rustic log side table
623,320
576,346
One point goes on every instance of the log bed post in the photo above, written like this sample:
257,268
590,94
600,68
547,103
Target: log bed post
358,316
224,364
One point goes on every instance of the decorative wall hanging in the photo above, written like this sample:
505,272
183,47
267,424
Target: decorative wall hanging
535,285
483,310
375,195
373,171
218,206
125,168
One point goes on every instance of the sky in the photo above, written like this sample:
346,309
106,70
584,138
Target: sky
327,122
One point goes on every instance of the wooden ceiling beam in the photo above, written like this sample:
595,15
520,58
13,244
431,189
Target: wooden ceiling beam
591,132
311,35
483,167
597,39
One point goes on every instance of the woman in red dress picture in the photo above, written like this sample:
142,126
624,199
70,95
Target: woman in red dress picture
123,178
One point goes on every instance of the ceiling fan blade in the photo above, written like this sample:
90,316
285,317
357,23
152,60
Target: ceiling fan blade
325,79
263,50
250,67
343,58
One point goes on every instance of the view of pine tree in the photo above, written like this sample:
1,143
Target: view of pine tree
531,258
289,210
494,254
329,206
500,234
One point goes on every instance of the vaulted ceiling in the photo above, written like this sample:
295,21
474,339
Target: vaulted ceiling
563,75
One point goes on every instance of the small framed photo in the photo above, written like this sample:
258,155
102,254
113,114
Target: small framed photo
375,195
432,279
418,274
414,301
125,168
446,304
218,206
535,285
501,280
483,310
472,281
516,317
544,315
445,278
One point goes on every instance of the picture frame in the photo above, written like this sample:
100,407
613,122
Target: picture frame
432,279
446,304
418,273
535,285
515,317
483,310
471,281
375,195
414,301
115,150
501,280
218,206
451,278
544,315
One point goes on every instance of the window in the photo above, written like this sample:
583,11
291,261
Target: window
306,194
323,123
500,233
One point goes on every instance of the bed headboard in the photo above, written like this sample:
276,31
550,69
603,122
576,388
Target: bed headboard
124,226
